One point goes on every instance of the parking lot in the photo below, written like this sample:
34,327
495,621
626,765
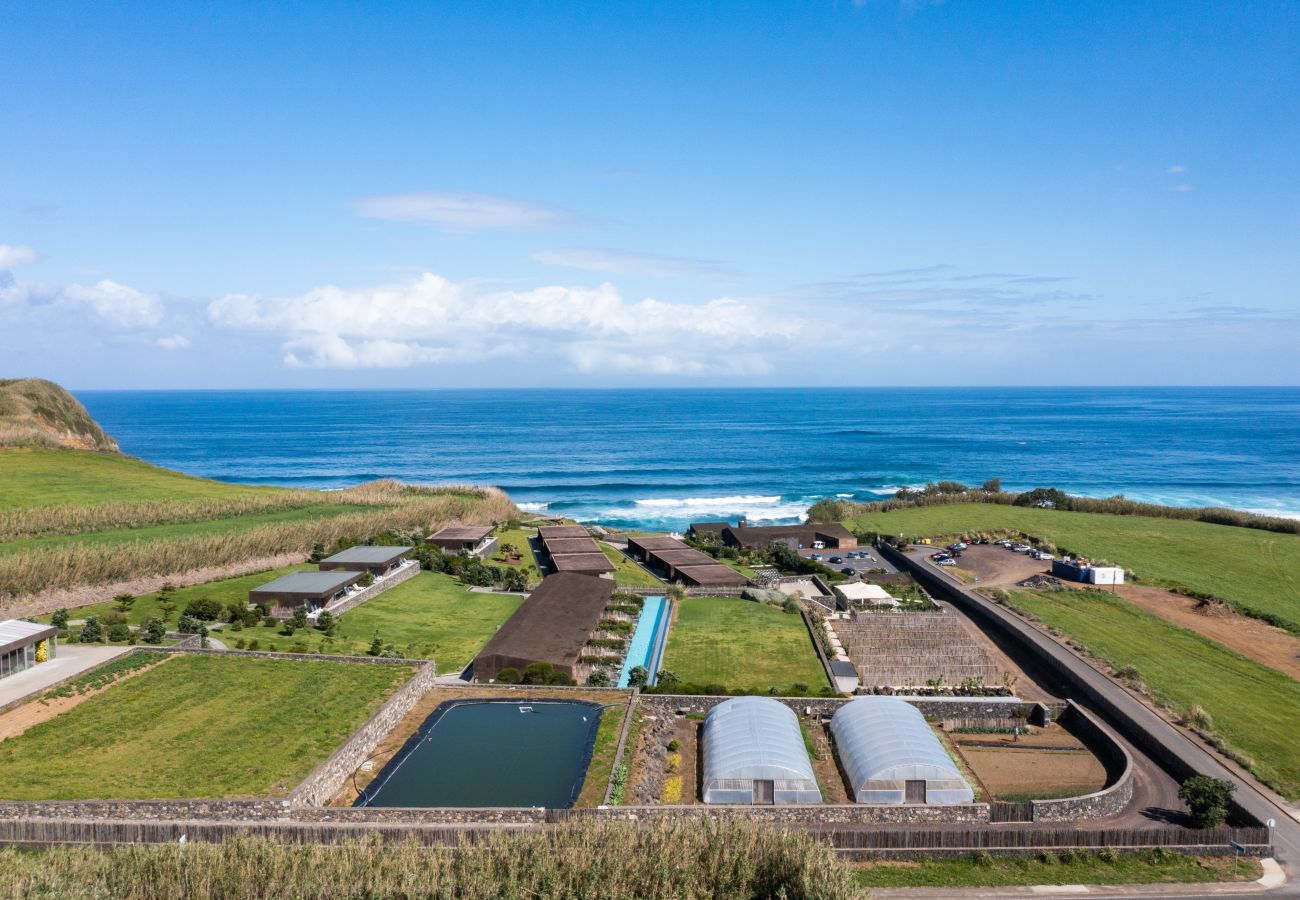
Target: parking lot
861,562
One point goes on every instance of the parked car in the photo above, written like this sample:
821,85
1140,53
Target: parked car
947,561
848,570
836,560
816,556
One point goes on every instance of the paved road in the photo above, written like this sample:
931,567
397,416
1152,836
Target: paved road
1117,705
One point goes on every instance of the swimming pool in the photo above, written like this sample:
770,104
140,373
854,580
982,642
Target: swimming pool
642,651
492,753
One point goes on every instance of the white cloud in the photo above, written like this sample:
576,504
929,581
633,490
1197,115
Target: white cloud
1183,188
462,211
431,320
12,256
173,342
1176,170
115,303
618,262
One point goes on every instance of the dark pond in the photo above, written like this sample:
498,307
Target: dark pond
483,753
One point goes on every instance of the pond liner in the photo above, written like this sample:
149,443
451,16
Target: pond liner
365,795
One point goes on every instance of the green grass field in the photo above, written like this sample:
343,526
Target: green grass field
1057,868
197,726
224,591
432,616
1254,708
627,573
741,645
63,477
602,758
1257,571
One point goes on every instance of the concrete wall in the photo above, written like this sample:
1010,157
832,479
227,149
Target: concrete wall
330,776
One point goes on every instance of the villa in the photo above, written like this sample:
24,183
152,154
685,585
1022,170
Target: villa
472,540
378,561
315,590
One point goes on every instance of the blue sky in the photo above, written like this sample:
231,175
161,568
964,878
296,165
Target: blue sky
424,195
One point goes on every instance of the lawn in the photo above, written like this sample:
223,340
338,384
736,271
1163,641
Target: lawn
1060,868
627,573
431,616
63,477
1255,709
741,645
1257,571
224,591
602,758
197,726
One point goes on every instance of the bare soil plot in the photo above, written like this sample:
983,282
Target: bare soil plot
999,567
1251,638
1046,763
16,721
825,765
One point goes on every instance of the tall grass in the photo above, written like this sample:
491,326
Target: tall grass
598,860
397,508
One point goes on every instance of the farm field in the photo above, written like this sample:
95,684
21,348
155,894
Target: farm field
1255,709
197,726
1075,868
627,573
431,616
32,478
1257,571
741,645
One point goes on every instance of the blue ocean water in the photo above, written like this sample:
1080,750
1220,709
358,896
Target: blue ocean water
663,458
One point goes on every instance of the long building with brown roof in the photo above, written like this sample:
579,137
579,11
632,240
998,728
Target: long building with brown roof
831,536
552,626
571,549
683,564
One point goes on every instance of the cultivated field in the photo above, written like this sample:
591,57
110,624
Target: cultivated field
197,726
1257,571
741,645
1255,709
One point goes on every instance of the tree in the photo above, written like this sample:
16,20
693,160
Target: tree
124,602
376,646
60,619
1044,498
299,617
326,622
188,625
92,632
119,632
993,486
205,608
167,604
1207,799
638,676
598,678
515,580
155,630
317,552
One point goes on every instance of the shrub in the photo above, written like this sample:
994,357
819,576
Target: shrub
188,624
376,646
119,632
254,644
92,632
204,608
326,622
124,602
674,745
1206,799
366,580
509,675
298,647
60,619
599,678
638,676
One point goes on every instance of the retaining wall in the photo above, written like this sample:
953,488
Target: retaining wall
938,707
404,574
330,776
1118,793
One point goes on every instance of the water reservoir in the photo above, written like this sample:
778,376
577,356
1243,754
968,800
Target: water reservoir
492,753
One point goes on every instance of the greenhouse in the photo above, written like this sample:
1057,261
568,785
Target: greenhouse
891,756
754,754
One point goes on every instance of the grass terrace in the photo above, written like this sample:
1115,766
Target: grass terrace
1254,708
197,726
627,573
741,645
1258,572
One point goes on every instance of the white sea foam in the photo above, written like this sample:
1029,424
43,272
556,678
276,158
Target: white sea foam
533,507
755,507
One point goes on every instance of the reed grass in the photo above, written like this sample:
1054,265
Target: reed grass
397,507
597,860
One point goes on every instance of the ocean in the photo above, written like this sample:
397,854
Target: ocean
662,458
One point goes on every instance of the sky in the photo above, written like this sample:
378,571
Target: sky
437,194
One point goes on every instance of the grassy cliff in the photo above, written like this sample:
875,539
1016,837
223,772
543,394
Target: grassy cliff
38,413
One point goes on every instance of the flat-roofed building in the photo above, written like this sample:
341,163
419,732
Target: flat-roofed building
596,563
314,590
25,644
860,592
571,545
546,532
470,539
712,575
830,536
552,626
670,560
378,561
641,547
707,530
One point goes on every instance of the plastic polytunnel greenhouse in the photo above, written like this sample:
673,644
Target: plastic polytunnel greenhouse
754,753
891,755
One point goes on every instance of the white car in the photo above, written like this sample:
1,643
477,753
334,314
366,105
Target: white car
946,561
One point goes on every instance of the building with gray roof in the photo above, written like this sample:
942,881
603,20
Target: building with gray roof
311,589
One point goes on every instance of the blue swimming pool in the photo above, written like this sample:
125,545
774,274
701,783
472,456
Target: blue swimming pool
645,645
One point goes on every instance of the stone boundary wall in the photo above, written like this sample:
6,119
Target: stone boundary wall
1118,793
406,573
621,747
819,814
329,777
931,707
817,645
298,657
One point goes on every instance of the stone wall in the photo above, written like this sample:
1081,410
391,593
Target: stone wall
935,707
406,573
818,814
297,657
1118,793
330,776
147,810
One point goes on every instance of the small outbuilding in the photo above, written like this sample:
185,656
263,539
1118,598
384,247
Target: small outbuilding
754,754
864,593
378,561
891,755
314,590
846,676
24,644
